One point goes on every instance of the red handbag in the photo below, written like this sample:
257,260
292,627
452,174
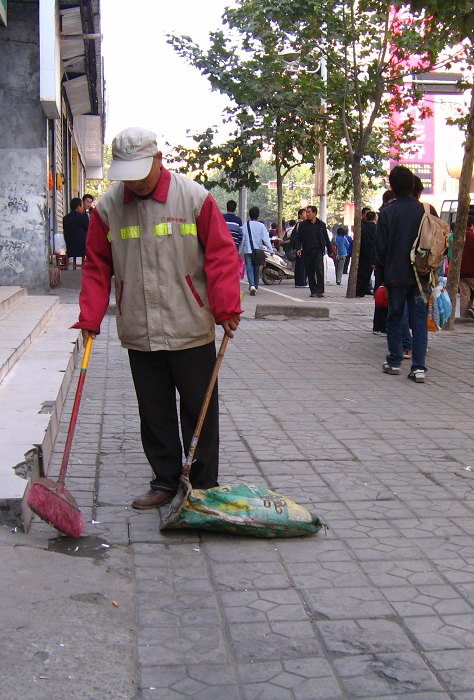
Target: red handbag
381,297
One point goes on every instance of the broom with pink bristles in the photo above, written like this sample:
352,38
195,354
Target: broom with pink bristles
50,499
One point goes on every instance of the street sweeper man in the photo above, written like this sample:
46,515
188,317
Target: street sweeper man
176,272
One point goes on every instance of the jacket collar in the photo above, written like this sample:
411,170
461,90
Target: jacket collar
160,193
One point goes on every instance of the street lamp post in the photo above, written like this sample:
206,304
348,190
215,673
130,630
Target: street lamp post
320,161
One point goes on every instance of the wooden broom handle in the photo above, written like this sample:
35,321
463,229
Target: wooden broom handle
205,405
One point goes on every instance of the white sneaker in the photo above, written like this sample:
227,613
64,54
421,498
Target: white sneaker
253,291
418,375
388,369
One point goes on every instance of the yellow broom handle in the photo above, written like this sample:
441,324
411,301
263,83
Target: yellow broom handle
87,353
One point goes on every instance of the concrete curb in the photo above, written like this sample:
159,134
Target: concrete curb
291,311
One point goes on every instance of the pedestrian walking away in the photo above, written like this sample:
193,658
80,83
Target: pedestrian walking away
234,223
312,241
397,229
165,242
342,250
255,236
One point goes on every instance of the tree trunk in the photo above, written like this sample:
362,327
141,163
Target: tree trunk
357,185
464,201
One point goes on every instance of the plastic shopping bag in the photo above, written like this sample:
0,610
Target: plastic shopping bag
381,297
444,303
440,306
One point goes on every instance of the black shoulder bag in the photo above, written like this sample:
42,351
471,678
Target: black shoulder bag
258,255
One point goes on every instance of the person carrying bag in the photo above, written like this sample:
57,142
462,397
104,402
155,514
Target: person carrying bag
258,255
255,237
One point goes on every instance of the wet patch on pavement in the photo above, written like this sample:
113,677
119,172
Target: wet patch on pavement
88,546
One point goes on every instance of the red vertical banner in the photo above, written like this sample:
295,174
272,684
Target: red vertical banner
419,152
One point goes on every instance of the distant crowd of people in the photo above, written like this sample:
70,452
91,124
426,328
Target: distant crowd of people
387,237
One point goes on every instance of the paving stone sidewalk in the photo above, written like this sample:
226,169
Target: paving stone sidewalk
380,606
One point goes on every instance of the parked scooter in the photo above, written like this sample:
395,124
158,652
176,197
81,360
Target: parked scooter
276,268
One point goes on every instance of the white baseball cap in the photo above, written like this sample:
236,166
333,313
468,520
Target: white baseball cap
133,151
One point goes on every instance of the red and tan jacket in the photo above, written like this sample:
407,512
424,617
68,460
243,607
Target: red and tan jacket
175,266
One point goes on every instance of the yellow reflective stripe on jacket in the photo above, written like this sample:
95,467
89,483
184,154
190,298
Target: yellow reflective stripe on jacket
188,229
162,229
110,237
130,232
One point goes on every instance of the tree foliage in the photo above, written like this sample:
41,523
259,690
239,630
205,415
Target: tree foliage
350,61
268,109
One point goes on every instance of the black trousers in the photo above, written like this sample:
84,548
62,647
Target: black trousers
314,264
157,377
300,272
364,273
380,313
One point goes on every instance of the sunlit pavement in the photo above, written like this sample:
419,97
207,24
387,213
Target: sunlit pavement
378,607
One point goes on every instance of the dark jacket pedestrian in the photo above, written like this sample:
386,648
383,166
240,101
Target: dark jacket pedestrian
312,241
366,255
234,222
75,225
301,279
397,229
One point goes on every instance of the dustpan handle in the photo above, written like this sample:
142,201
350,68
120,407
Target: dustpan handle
75,411
205,405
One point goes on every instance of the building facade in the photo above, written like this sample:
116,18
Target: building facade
52,116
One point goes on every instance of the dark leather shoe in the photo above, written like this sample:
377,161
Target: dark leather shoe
152,499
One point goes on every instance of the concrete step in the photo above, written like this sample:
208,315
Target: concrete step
10,297
32,394
20,325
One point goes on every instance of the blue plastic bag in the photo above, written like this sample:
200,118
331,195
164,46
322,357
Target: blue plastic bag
442,306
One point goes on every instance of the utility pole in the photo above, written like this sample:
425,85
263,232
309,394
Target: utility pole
320,165
243,204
